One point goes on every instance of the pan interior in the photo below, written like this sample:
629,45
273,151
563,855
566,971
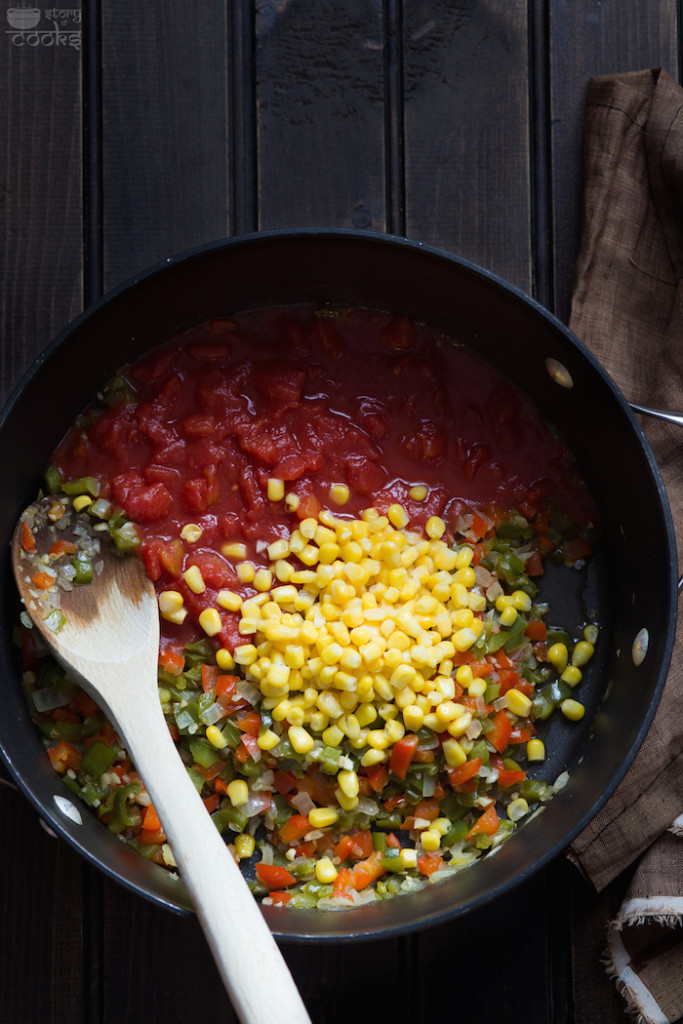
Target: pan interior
629,586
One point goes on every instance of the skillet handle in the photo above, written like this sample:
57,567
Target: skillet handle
659,414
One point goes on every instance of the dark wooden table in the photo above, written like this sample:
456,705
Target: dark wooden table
131,131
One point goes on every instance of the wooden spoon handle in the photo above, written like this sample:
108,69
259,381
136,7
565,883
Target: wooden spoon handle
252,968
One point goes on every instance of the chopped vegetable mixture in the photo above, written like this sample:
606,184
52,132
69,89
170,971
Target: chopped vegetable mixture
370,717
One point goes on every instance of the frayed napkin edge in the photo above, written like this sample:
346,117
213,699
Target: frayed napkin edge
640,1003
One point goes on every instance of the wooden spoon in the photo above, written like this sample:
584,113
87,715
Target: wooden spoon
109,642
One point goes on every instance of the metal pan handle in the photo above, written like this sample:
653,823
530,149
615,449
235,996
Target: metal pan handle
659,414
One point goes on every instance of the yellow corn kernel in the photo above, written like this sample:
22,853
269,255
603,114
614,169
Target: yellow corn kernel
516,809
322,817
302,577
263,579
325,871
582,653
521,601
229,600
447,711
300,738
194,579
81,502
413,718
247,625
464,557
332,736
348,783
477,687
435,527
445,559
571,675
210,621
394,730
398,516
244,846
170,602
216,737
318,721
191,532
378,739
234,550
464,638
238,792
591,634
508,615
268,740
464,676
224,659
572,709
245,654
441,825
518,703
460,725
283,570
275,489
453,752
535,750
466,576
366,714
245,572
373,757
463,618
339,493
347,803
350,726
430,840
418,492
558,655
292,502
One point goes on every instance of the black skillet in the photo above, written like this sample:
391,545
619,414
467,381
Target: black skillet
630,586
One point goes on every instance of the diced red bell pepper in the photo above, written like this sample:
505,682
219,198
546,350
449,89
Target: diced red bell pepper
402,754
28,541
296,827
64,756
274,876
486,823
428,863
464,772
500,734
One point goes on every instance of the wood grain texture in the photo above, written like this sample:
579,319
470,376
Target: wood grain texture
41,262
41,907
321,110
164,132
467,131
594,37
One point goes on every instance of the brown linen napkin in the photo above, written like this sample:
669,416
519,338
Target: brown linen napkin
627,307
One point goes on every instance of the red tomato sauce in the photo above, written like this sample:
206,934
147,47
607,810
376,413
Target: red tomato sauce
375,402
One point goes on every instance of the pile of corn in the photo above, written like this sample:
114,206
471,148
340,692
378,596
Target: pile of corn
352,633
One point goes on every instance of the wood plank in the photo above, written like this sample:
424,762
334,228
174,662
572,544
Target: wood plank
484,944
164,142
465,84
41,881
321,110
158,960
40,197
586,39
